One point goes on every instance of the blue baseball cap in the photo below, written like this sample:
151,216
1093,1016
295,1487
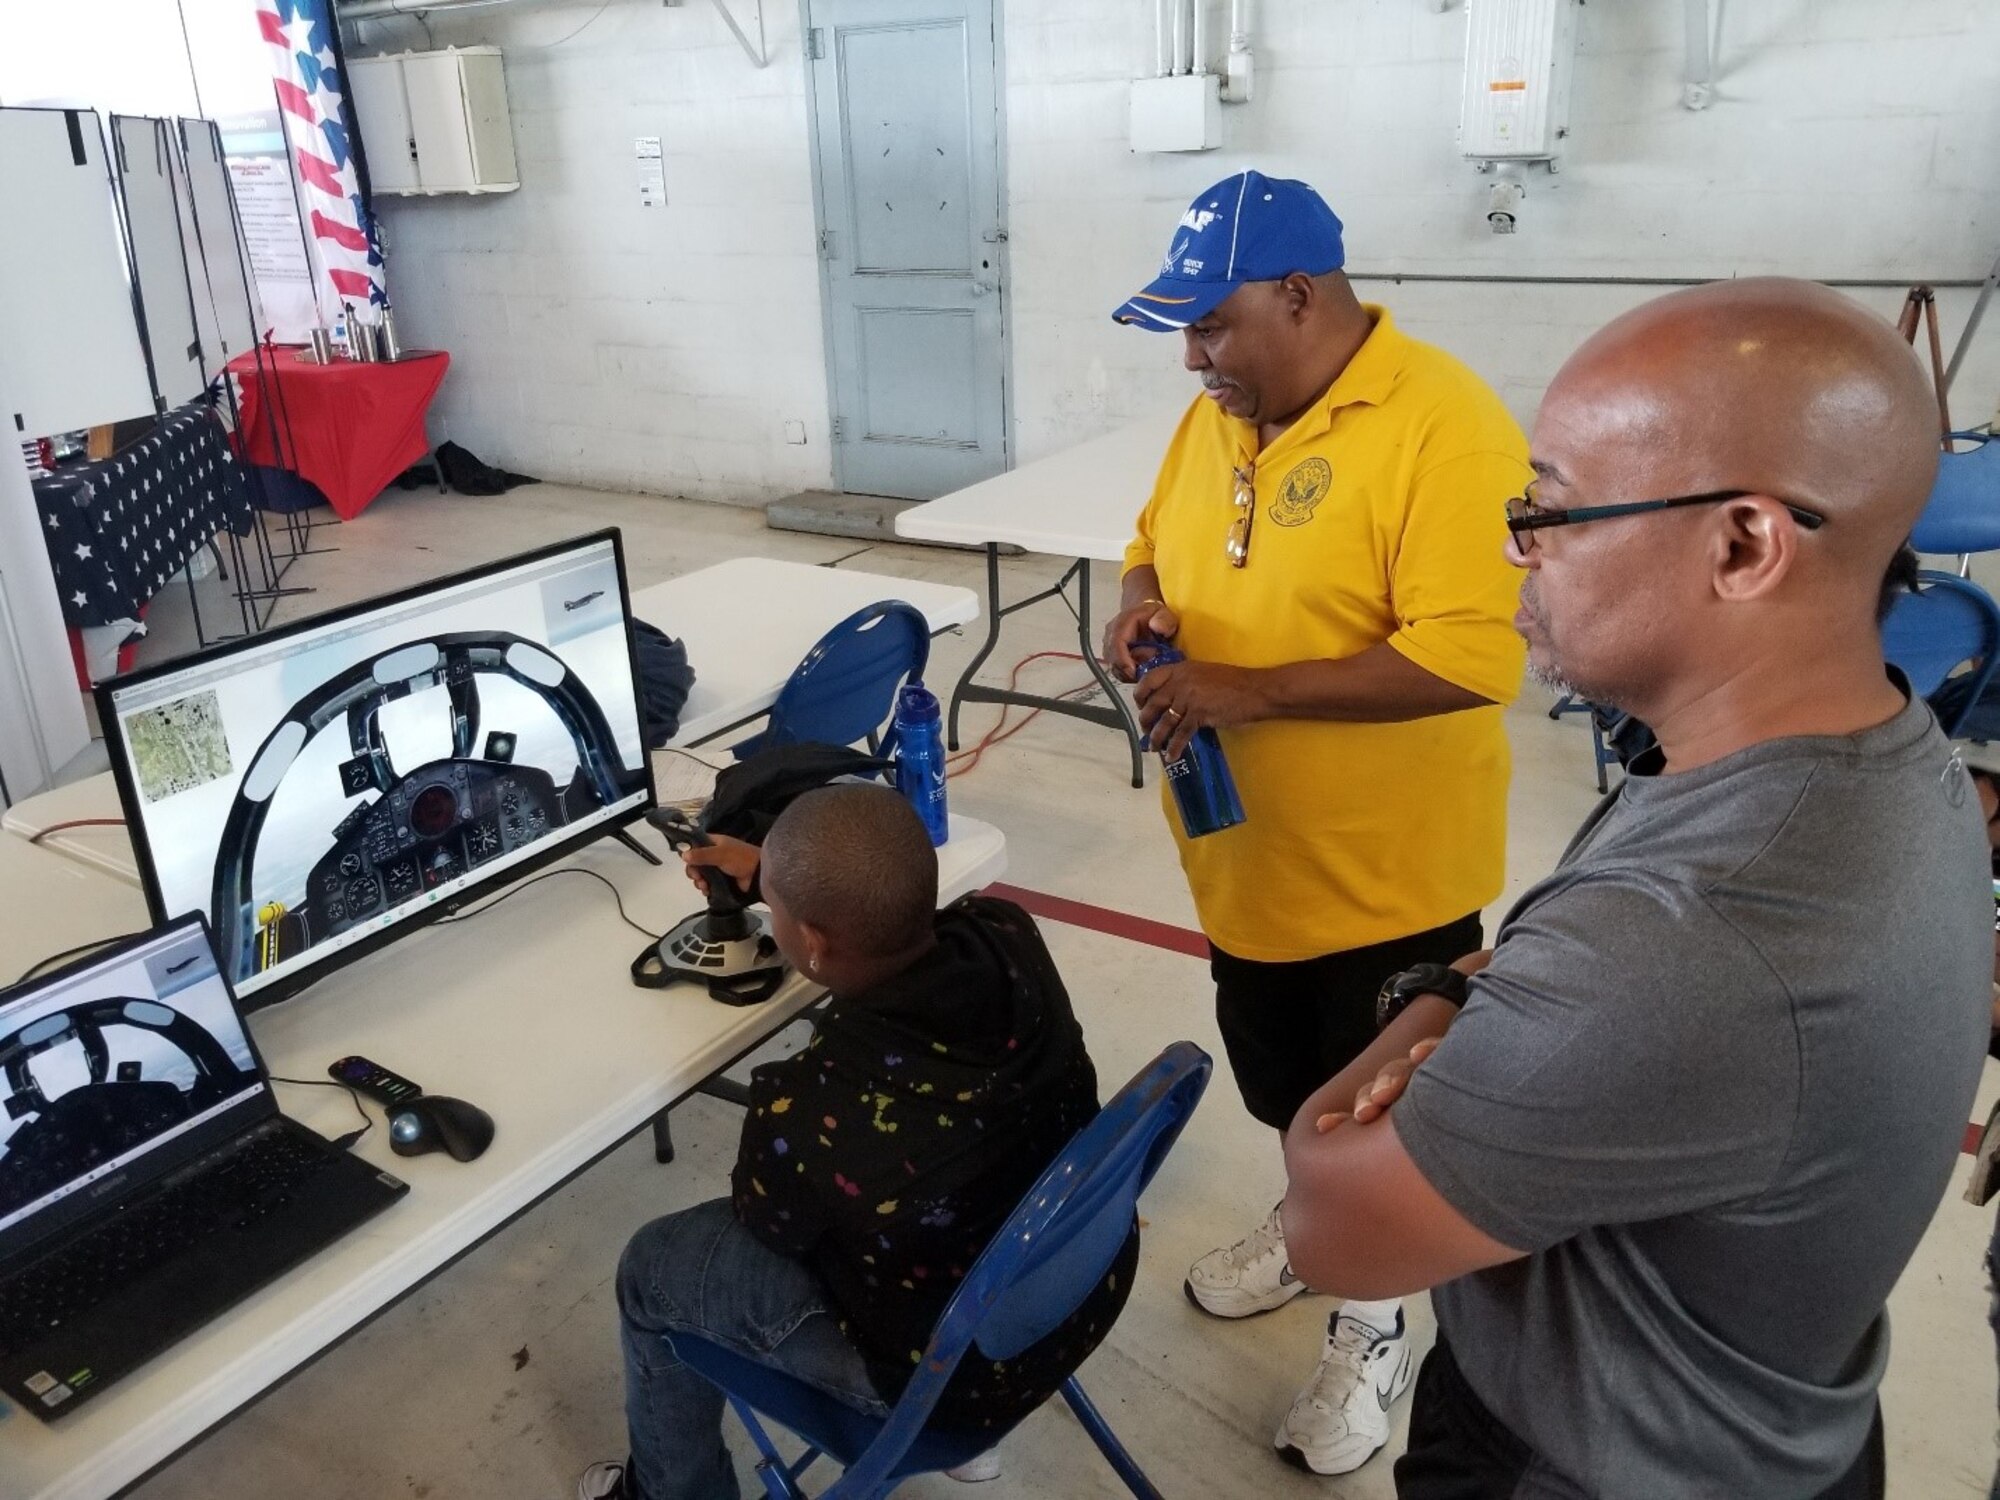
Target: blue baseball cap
1246,228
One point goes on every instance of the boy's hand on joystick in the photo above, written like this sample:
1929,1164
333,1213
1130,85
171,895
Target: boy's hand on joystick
733,857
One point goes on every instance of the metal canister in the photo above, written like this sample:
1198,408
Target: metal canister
321,351
392,347
362,336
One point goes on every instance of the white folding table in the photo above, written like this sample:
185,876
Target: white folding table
1080,503
529,1012
748,622
101,843
53,903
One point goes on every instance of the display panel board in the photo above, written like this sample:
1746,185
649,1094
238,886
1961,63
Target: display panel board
145,159
70,355
231,306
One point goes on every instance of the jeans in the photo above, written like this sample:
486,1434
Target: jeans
701,1272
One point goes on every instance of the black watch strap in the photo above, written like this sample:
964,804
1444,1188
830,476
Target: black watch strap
1422,979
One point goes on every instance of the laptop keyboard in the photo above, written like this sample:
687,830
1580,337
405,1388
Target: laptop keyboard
252,1182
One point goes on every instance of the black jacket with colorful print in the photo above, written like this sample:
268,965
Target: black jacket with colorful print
889,1150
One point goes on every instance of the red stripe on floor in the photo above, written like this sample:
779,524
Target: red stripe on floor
1104,919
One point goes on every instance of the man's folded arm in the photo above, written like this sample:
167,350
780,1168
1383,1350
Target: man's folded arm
1362,1221
1585,1083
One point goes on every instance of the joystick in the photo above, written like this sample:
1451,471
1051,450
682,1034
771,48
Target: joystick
728,946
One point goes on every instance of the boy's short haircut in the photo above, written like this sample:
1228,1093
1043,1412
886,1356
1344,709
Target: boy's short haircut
855,861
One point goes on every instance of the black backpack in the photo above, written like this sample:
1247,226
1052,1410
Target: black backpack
665,679
750,794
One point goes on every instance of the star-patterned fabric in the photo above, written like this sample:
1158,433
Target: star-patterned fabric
118,529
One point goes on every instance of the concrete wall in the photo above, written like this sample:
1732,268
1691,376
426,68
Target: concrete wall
664,351
600,342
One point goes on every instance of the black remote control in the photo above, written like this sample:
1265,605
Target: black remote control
377,1082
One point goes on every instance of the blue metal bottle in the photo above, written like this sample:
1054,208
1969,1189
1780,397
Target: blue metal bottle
1203,789
919,756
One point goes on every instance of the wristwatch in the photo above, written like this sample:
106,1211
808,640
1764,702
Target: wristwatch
1424,979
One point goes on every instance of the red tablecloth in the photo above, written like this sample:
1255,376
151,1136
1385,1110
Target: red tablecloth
348,427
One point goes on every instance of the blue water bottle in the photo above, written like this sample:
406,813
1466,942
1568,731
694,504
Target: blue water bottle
1203,789
919,756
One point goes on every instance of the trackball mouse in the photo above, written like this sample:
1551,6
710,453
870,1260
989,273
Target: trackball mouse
436,1122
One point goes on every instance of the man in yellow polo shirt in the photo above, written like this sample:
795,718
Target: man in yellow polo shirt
1324,543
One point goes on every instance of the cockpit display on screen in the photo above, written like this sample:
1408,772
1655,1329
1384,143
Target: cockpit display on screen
317,787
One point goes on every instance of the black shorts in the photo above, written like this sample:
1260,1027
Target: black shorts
1288,1028
1458,1450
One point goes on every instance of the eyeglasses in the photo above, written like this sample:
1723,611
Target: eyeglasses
1525,516
1246,512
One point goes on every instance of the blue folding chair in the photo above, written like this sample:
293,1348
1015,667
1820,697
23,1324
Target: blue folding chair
1942,624
1962,515
1602,753
845,689
1041,1266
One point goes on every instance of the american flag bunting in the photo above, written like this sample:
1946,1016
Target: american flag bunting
319,123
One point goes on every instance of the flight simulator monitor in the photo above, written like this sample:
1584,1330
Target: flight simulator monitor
323,787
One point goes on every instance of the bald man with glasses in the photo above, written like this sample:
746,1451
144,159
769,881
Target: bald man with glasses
1661,1160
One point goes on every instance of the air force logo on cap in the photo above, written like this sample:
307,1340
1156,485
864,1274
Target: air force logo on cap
1246,228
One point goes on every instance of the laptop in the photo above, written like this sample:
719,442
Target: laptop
148,1181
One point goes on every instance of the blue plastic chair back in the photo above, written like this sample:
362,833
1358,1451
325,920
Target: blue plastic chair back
1036,1271
1946,622
845,689
1963,512
1072,1224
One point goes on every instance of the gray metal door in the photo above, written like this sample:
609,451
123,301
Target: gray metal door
911,242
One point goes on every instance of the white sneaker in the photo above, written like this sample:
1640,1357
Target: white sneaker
602,1481
977,1470
1251,1276
1342,1417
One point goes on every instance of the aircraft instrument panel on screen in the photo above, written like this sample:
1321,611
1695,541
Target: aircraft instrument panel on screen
312,788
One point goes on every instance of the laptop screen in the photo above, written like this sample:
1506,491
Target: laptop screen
109,1061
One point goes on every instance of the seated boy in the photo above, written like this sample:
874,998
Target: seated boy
947,1071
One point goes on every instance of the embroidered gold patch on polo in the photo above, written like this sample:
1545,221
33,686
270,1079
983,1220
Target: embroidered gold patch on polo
1302,490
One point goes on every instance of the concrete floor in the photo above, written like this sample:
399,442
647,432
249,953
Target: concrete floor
499,1380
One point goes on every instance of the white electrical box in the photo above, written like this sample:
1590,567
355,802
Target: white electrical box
1181,112
1519,58
435,122
382,110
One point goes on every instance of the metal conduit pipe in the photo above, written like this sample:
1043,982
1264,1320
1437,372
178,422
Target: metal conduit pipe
368,10
1490,279
1239,25
1700,86
1238,69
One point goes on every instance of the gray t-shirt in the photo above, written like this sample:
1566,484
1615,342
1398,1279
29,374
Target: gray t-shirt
1715,1080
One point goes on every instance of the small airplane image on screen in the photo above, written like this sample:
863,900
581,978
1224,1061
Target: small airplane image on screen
184,963
574,604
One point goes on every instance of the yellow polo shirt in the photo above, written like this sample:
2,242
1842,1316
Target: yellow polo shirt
1380,517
